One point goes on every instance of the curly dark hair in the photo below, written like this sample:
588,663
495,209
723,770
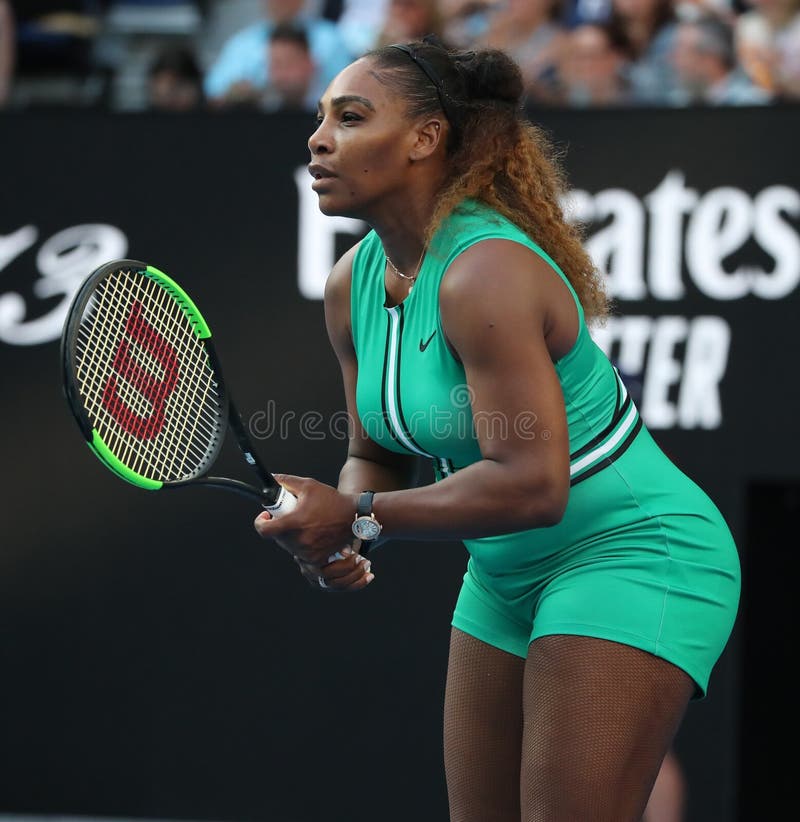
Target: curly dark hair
496,154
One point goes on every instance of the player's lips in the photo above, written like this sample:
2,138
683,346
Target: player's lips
320,172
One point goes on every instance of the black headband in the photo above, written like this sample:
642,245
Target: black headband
430,73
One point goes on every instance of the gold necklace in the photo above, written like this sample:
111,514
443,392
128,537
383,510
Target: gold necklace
411,278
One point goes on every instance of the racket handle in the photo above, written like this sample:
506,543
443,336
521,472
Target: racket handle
286,502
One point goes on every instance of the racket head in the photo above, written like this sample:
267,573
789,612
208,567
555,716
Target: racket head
141,376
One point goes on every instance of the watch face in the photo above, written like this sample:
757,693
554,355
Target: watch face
366,528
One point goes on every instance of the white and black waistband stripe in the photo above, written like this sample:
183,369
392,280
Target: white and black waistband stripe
622,405
611,443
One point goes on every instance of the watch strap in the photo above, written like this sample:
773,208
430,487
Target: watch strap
364,509
364,505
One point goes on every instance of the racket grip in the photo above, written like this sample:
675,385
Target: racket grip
285,503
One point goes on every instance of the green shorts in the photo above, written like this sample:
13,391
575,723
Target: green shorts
642,556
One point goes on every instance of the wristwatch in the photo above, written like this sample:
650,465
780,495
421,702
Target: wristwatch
365,526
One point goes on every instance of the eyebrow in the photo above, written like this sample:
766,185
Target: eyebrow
349,98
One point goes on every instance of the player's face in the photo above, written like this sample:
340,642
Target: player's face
360,152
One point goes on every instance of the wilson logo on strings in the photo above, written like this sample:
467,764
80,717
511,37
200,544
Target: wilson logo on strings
155,391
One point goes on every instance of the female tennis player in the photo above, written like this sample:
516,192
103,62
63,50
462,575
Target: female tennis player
602,583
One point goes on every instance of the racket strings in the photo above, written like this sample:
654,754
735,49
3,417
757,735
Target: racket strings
191,353
132,403
144,426
145,379
132,454
167,310
110,335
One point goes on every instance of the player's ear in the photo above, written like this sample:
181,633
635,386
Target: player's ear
429,134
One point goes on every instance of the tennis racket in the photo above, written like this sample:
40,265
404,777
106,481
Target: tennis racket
144,383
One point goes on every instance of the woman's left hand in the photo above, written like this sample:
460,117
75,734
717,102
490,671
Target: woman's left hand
318,527
346,570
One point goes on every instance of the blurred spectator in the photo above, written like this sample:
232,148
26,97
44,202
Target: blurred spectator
329,9
368,25
755,50
133,36
577,12
54,52
360,23
223,19
408,20
601,11
55,35
291,71
768,41
175,81
532,33
650,26
706,70
465,21
591,66
241,71
7,50
690,10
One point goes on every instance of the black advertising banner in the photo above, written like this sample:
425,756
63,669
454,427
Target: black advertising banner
157,659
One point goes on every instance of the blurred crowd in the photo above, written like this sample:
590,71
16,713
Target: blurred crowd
273,55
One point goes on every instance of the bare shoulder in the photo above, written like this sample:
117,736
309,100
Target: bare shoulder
337,286
507,290
494,276
337,303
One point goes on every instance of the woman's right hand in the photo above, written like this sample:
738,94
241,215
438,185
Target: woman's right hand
346,571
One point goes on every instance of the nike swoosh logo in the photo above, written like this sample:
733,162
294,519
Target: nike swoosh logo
424,345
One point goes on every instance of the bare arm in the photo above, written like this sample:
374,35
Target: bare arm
496,304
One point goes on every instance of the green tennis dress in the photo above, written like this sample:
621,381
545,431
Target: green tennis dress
641,556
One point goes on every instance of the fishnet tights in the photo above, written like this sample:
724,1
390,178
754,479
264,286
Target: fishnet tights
575,733
482,731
